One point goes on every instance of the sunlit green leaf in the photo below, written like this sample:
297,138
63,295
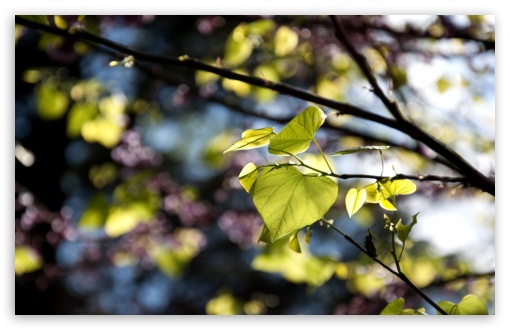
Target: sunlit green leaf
400,187
261,27
469,305
253,138
26,260
248,176
354,200
359,149
386,204
285,41
404,230
296,136
289,200
224,304
443,84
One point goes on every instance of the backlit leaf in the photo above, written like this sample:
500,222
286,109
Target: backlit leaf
386,204
354,200
404,230
469,305
296,136
51,102
396,307
26,260
248,176
359,149
289,200
253,138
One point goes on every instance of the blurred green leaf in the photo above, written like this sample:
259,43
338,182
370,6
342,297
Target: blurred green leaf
396,307
26,260
285,41
51,102
78,115
238,47
289,200
294,242
443,84
95,214
296,136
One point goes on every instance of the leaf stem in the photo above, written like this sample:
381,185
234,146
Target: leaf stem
400,275
324,156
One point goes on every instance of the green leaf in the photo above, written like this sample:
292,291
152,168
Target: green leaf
289,200
26,259
285,41
469,305
253,138
385,204
51,102
359,149
296,136
354,200
396,307
294,242
248,176
400,187
78,115
404,230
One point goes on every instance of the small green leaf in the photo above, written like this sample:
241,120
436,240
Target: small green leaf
385,204
285,41
396,307
469,305
289,200
400,187
359,149
308,235
294,243
404,230
296,136
354,200
253,138
248,176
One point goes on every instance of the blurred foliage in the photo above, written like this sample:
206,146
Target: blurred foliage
129,206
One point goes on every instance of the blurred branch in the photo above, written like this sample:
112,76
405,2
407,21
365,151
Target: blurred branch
463,277
474,177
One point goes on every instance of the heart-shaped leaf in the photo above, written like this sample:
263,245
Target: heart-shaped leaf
354,200
469,305
289,200
253,138
296,136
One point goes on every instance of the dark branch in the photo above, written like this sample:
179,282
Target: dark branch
475,178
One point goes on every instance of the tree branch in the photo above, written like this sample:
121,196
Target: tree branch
474,177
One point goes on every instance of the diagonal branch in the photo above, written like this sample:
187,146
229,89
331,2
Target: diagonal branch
475,178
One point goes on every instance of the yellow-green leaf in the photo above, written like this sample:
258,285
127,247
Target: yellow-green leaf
296,136
294,243
248,176
469,305
51,102
354,200
253,138
26,260
400,187
385,204
404,230
288,200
